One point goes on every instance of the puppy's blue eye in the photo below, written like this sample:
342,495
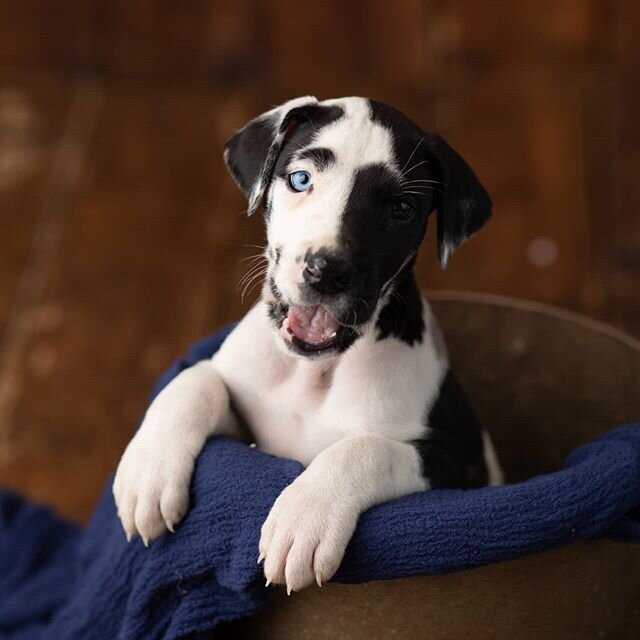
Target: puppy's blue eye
300,180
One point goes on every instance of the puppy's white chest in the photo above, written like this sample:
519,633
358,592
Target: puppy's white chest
291,417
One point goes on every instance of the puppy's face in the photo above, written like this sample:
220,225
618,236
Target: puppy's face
348,186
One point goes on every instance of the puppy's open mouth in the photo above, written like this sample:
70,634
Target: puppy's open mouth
310,329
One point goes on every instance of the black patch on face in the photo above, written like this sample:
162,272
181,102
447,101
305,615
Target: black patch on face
452,453
278,255
401,317
463,206
378,245
322,158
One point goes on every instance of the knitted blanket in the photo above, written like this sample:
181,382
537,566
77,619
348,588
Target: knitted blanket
59,582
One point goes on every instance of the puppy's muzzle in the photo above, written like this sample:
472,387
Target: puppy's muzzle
327,274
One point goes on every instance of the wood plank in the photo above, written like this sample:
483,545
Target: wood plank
32,118
557,31
313,52
624,41
616,153
623,223
166,40
22,321
523,135
144,268
194,42
45,35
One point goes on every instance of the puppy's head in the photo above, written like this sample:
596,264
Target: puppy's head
347,187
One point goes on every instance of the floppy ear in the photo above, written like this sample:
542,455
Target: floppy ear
251,153
463,205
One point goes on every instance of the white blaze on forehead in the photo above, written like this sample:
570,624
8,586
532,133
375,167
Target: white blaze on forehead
302,221
356,139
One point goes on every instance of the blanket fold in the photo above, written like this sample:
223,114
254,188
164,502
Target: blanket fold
58,582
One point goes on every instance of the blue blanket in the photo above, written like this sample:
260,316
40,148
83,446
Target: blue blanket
58,582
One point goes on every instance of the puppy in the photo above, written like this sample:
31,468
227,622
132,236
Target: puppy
340,364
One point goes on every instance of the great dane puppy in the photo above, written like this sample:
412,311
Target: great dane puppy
340,364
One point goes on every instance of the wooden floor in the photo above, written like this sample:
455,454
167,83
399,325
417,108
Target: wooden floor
121,234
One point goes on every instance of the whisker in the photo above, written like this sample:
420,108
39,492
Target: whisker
389,283
253,286
255,246
417,193
411,156
420,180
257,256
415,166
351,325
245,283
251,283
251,269
245,286
250,273
420,187
255,266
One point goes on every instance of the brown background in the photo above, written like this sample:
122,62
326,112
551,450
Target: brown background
121,234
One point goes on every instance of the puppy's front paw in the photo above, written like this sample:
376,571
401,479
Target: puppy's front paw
151,486
305,535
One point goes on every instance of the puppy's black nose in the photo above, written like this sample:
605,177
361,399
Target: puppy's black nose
326,274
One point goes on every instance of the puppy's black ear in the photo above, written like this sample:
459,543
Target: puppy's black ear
463,205
251,153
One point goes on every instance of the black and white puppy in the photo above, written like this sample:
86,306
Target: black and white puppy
340,364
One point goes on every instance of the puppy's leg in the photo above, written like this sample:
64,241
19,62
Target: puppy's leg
310,524
151,486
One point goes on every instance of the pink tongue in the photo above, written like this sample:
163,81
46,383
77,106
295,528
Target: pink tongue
314,325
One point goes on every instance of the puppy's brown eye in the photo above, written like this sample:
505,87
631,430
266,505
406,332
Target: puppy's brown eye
403,211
